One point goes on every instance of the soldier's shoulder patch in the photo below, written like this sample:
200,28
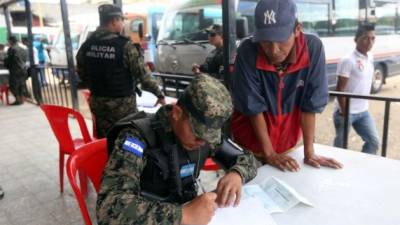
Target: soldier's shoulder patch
134,146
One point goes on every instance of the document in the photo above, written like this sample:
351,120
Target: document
275,195
250,211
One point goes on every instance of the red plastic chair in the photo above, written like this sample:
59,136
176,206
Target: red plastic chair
86,94
58,119
210,165
4,94
90,159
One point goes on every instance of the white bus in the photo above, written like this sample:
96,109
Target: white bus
182,42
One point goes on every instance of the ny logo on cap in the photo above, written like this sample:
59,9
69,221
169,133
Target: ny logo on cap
269,17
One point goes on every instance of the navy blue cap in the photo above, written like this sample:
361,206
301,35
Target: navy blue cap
274,20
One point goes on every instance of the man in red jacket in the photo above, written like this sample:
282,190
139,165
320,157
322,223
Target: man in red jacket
278,86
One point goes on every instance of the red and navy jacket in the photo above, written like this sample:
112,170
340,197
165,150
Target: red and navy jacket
257,87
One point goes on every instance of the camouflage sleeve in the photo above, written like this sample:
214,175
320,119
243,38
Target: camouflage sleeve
80,65
118,200
246,165
134,61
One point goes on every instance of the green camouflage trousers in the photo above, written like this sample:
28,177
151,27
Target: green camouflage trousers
108,111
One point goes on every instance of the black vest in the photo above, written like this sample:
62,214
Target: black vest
104,65
165,176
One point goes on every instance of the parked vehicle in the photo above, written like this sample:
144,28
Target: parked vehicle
142,27
182,41
79,33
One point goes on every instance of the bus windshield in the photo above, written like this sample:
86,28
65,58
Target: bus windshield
189,23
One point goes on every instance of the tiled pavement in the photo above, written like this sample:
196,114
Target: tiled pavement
29,171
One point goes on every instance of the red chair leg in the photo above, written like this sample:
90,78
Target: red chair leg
61,170
83,183
7,100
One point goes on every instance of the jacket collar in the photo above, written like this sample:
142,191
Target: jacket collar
299,60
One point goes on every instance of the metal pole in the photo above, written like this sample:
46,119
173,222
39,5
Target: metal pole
70,54
8,21
229,36
32,68
385,128
118,3
346,123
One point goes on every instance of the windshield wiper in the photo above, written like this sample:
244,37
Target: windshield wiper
162,42
188,41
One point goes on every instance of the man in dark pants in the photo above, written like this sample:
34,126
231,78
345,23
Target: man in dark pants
111,66
151,174
214,64
15,62
278,86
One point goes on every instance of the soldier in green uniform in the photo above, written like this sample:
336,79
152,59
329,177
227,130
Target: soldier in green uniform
151,176
111,66
15,63
214,64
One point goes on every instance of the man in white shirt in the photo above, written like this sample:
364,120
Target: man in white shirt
355,72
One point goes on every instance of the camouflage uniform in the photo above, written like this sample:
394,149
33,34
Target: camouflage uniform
15,63
119,200
109,110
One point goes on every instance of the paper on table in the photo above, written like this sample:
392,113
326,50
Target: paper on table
249,211
276,196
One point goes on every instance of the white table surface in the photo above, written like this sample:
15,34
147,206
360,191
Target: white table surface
147,100
365,192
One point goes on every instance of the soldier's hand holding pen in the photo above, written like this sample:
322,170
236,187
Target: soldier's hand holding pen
200,210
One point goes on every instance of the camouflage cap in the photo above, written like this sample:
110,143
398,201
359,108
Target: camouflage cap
209,105
110,11
214,29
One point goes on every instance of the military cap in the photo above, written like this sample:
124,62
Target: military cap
209,105
214,29
110,11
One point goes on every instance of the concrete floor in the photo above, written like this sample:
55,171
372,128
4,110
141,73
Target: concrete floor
29,171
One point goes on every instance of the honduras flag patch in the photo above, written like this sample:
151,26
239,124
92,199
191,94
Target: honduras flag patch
134,146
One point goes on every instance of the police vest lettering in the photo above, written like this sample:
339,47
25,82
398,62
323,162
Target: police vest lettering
102,52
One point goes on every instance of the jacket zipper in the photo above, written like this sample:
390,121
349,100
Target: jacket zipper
281,85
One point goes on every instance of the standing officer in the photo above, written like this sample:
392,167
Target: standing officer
15,63
214,64
151,175
111,66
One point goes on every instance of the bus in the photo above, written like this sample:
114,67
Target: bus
182,41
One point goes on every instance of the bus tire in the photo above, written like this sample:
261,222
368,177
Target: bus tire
377,79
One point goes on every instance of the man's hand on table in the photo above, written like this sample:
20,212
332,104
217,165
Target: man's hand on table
200,210
229,189
317,161
282,162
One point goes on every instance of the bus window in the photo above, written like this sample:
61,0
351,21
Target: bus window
314,17
135,24
346,14
60,42
387,19
190,22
